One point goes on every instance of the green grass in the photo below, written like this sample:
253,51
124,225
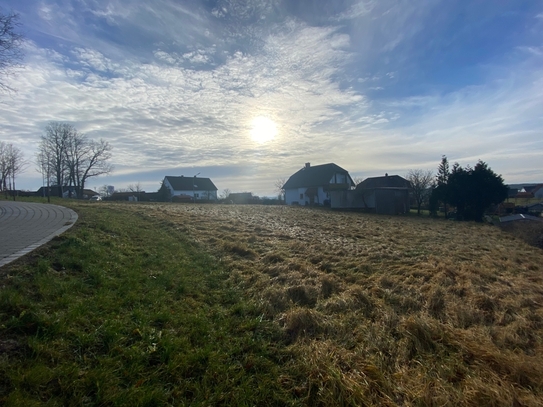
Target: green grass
173,304
124,309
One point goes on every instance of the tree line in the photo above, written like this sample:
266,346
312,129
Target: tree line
12,163
67,158
470,190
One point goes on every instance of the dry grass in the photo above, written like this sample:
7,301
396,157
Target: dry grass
529,231
385,310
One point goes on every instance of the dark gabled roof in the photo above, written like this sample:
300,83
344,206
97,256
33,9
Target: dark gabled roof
191,183
530,188
519,216
388,181
314,176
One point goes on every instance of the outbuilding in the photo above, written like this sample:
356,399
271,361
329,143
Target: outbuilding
385,195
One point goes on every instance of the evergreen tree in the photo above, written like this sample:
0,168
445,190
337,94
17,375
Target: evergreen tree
473,190
439,194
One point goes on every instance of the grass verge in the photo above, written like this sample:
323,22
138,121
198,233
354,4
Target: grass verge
126,310
294,306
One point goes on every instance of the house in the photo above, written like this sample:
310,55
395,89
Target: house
526,195
386,195
528,188
66,192
198,189
88,193
535,209
131,196
538,191
313,184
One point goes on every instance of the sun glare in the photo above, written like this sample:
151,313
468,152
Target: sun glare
263,129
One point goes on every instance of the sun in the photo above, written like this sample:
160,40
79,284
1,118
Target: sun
263,129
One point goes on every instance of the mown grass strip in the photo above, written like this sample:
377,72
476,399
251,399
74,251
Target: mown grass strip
125,310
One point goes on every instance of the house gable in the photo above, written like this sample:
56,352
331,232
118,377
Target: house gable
195,188
313,184
190,183
538,191
319,175
388,181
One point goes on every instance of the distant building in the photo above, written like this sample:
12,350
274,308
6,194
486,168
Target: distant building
242,198
313,184
65,192
131,196
385,195
538,191
196,189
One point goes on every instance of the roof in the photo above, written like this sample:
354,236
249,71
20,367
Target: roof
530,188
191,183
314,176
388,181
519,216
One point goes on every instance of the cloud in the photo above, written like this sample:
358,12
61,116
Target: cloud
359,9
174,87
162,113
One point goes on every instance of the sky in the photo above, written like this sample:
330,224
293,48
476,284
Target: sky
245,92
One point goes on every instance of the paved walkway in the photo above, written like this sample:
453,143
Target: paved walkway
25,226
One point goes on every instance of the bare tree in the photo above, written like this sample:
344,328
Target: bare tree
135,187
91,161
72,158
225,193
279,188
4,167
358,180
11,54
52,149
44,167
105,190
12,163
421,181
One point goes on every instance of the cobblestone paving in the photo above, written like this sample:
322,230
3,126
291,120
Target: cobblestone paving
25,226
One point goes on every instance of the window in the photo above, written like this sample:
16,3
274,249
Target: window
197,195
301,196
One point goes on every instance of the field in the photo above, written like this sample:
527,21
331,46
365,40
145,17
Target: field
385,309
338,308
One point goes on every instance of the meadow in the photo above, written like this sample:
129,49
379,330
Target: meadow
155,304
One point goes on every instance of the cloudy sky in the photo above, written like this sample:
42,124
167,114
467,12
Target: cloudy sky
247,91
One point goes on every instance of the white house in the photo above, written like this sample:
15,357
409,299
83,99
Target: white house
538,191
196,189
313,184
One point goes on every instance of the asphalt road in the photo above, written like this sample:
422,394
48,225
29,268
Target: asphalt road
25,226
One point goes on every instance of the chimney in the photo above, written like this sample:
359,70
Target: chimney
307,165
